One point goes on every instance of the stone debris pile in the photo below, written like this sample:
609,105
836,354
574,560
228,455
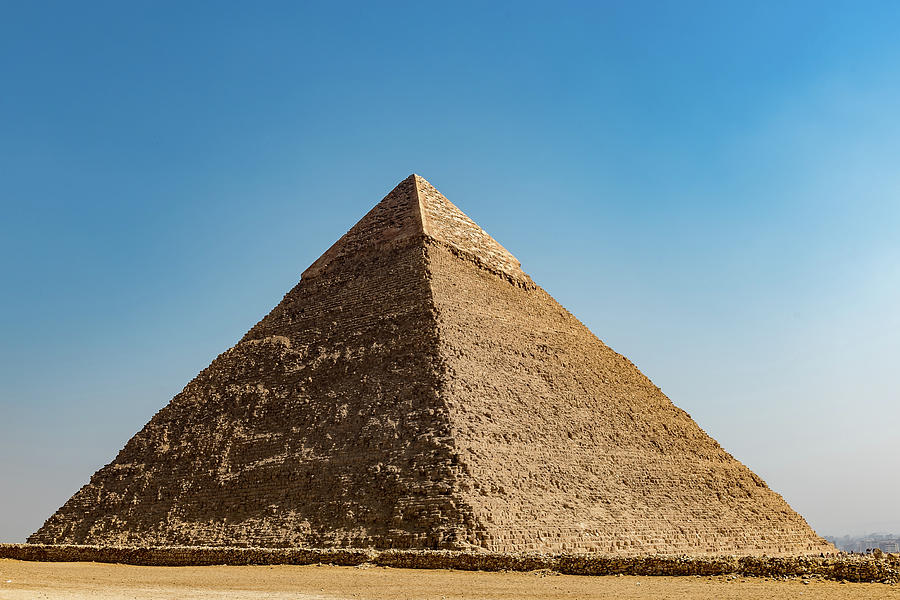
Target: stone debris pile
838,567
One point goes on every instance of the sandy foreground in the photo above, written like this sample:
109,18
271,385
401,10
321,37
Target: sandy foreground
21,579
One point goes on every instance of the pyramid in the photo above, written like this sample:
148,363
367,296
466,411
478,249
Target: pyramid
416,389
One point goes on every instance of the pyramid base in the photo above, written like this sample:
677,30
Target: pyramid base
832,565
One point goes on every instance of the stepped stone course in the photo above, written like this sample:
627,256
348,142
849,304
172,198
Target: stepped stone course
417,390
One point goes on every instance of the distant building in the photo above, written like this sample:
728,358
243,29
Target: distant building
887,542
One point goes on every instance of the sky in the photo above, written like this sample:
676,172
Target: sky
711,187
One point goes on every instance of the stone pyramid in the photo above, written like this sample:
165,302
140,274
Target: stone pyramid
417,390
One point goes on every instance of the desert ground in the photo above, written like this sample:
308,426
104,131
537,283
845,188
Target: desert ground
70,581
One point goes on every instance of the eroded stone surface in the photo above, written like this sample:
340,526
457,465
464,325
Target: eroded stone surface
417,390
569,447
323,426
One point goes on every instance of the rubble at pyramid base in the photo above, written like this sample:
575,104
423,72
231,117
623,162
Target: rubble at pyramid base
838,567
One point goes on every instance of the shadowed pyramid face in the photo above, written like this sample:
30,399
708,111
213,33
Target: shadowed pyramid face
417,390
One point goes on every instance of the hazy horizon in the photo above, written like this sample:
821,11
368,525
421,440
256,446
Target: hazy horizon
710,188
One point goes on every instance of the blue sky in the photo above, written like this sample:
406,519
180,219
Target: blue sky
710,186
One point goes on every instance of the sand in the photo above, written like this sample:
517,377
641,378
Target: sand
69,581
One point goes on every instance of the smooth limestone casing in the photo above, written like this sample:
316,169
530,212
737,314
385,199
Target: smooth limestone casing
417,390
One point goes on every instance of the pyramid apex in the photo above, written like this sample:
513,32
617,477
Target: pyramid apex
418,179
397,217
444,222
416,209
